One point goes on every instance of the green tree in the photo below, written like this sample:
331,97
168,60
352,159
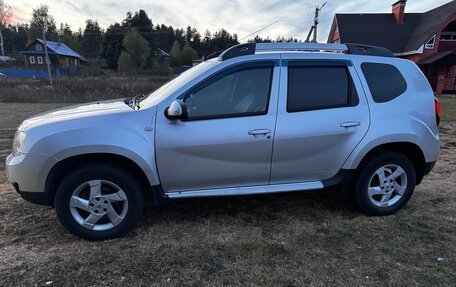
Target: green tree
143,24
92,39
126,65
42,20
14,39
136,51
112,45
188,55
176,54
67,36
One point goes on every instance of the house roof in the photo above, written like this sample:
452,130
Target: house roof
435,57
58,48
381,29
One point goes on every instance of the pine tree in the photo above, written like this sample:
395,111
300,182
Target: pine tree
92,39
112,45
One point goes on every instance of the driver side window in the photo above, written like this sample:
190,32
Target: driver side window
237,93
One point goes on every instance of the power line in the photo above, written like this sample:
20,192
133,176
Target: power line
286,11
240,40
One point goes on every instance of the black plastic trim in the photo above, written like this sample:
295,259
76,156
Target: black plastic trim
340,180
367,50
428,167
237,51
40,198
35,197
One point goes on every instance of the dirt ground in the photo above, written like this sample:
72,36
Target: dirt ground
309,238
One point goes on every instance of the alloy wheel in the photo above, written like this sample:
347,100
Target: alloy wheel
98,205
387,185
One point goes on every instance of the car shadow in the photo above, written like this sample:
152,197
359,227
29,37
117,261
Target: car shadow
309,204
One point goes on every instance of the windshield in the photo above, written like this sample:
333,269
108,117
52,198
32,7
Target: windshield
175,84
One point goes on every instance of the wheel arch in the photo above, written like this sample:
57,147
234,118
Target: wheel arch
411,150
65,166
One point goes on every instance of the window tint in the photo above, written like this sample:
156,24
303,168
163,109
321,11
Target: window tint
237,93
319,87
385,81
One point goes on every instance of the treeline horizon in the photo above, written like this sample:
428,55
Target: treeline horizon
93,42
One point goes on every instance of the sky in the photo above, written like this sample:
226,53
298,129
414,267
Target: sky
242,17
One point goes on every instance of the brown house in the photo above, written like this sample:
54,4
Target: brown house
63,60
428,38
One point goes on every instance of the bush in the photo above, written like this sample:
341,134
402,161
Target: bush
92,69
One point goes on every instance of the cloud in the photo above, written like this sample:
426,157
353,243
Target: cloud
237,16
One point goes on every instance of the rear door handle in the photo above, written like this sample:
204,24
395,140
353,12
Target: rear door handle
259,132
350,124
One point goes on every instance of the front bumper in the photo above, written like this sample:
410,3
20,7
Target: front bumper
28,173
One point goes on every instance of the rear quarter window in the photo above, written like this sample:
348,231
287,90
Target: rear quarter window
385,81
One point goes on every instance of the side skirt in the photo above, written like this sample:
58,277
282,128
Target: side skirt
339,181
260,189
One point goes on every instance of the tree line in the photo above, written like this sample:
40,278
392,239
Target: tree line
133,44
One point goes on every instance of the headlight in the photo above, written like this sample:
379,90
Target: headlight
18,140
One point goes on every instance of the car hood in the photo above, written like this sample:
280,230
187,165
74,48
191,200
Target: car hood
75,112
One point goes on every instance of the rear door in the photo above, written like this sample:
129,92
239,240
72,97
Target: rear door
322,116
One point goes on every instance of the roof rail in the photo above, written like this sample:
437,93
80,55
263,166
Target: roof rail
266,47
349,48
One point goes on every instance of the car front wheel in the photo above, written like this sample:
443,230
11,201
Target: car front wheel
99,202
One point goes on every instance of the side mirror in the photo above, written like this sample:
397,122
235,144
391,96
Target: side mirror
176,111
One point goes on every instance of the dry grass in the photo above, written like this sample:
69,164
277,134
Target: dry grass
289,239
76,90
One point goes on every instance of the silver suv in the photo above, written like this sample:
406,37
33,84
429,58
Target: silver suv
262,118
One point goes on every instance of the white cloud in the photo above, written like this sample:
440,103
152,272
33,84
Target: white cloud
237,16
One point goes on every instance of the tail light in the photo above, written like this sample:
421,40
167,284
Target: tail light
437,110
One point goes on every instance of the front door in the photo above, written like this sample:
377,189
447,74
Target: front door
322,116
227,139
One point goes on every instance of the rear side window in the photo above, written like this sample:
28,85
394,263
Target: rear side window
319,87
385,81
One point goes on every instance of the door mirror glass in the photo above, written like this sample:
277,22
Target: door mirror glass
176,111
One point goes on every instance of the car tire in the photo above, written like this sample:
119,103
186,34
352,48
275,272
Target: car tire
99,202
381,195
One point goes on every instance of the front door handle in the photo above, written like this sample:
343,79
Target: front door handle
259,132
350,124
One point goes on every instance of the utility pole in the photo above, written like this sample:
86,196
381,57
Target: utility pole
1,42
315,24
46,56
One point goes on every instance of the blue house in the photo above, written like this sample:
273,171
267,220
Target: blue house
63,60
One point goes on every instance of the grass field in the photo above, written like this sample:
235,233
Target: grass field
76,90
297,239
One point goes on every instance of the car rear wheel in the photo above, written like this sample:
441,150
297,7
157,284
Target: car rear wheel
99,202
385,184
